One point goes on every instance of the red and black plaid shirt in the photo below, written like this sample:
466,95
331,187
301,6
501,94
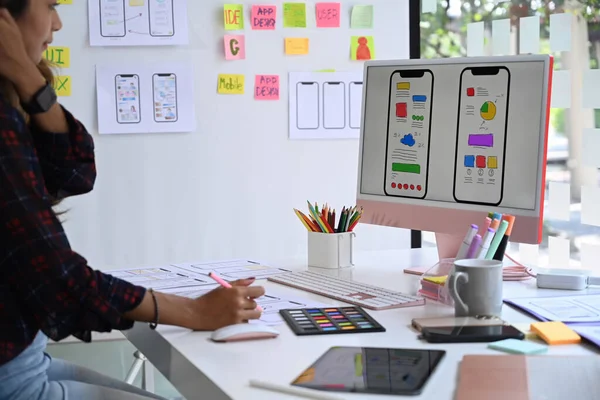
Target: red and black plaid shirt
44,285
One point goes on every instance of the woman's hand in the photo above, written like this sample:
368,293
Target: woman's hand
228,306
14,61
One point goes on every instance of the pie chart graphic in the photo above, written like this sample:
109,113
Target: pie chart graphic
488,111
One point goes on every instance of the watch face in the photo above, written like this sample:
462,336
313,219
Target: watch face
46,98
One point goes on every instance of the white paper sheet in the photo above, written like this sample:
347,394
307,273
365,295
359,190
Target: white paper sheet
561,89
501,37
559,250
475,36
582,308
560,32
529,37
145,98
138,22
590,96
590,212
325,105
428,6
161,278
591,147
231,270
559,201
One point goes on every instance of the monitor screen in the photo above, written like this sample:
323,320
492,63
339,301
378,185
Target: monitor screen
460,134
371,370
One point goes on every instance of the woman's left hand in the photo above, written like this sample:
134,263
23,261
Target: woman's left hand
14,60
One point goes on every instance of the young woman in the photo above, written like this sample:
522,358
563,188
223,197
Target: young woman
46,289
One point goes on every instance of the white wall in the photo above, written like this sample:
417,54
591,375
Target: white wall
228,189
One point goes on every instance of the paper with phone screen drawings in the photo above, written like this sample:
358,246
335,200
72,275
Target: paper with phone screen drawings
231,270
580,309
138,23
145,97
325,105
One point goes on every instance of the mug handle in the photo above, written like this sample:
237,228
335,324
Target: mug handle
452,288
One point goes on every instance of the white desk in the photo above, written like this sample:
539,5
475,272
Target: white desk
201,369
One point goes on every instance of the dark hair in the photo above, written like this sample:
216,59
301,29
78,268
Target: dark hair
15,7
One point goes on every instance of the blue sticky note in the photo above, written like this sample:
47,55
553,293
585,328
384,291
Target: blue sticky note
516,346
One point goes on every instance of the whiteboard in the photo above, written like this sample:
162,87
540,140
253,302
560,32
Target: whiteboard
227,189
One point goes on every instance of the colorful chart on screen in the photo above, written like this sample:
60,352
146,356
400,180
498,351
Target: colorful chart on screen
481,135
409,122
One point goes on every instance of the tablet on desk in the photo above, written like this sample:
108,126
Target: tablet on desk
371,370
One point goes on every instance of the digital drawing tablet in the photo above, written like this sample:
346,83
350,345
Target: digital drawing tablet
371,370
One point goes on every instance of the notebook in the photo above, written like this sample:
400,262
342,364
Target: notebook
516,377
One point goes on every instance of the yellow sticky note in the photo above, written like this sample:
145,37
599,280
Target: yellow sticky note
294,15
325,70
62,85
64,2
230,84
233,15
296,46
59,56
136,3
362,48
438,280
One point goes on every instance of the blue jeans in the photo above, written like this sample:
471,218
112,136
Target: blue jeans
34,375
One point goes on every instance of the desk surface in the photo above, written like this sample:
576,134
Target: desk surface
202,369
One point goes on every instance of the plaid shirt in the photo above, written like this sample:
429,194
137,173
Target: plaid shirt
44,285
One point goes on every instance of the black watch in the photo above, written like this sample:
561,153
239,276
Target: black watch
42,101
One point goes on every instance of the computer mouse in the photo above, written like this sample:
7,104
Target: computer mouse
244,331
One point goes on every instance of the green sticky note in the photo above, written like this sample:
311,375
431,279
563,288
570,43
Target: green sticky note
294,15
233,15
362,17
362,48
325,70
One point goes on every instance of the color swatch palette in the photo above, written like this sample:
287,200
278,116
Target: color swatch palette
332,320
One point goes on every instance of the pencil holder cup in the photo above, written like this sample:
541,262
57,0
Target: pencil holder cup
330,250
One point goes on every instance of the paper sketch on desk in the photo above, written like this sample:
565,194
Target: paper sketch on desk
568,309
231,270
161,278
325,105
591,333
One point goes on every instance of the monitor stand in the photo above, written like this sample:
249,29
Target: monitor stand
447,247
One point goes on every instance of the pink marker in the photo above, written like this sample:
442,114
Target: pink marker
485,226
225,284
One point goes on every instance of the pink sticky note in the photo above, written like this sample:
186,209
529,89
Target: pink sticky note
235,47
328,15
266,87
263,17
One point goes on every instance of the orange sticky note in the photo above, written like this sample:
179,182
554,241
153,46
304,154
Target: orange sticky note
328,15
263,17
555,332
296,46
235,47
266,87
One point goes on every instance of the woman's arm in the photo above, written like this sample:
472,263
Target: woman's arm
63,145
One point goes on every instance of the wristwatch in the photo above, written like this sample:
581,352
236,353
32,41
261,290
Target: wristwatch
41,101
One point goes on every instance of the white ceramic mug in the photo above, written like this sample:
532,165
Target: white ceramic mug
476,287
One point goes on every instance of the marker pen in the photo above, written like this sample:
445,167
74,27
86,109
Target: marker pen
504,242
485,226
473,247
485,244
495,224
464,247
497,216
497,238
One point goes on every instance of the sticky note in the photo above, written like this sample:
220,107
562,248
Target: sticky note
64,2
328,15
591,98
136,3
559,201
529,35
529,253
362,48
475,37
501,37
590,148
561,89
361,17
525,328
294,15
555,332
233,15
266,87
59,56
560,32
235,47
428,6
230,84
325,70
590,212
263,18
62,85
515,346
559,252
296,46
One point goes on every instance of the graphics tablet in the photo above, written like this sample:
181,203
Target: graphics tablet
371,370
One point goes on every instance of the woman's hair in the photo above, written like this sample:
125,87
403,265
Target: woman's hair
7,90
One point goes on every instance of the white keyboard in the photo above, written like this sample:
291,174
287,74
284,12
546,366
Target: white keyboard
358,294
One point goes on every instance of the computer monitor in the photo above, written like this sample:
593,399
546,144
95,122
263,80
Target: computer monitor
444,142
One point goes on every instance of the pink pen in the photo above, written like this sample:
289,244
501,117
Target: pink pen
485,226
225,284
